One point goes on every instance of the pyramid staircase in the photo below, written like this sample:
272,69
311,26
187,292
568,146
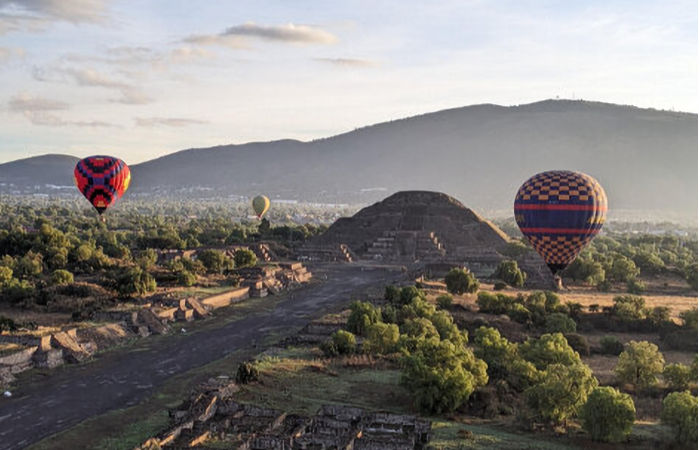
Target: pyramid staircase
396,245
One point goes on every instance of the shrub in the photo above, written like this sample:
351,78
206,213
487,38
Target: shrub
499,285
362,315
492,303
134,281
444,301
691,275
610,345
7,324
659,315
562,391
60,276
390,314
509,272
578,343
186,278
559,323
519,313
629,307
247,373
680,411
604,286
636,286
639,364
392,294
244,258
381,338
408,293
690,318
574,309
593,307
677,376
344,342
552,302
608,415
460,281
441,375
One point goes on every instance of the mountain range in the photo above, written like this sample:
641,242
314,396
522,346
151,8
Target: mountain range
645,159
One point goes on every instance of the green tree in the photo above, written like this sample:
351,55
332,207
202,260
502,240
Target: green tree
690,318
608,415
5,275
503,360
459,281
691,275
60,276
562,391
622,269
381,338
215,261
639,364
134,281
444,301
680,411
245,258
185,278
509,272
147,258
548,349
362,315
441,375
629,307
29,266
343,342
559,323
677,376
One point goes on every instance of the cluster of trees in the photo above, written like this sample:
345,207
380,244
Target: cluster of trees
57,244
623,258
437,365
442,369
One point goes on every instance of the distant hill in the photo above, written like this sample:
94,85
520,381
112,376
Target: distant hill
646,159
41,170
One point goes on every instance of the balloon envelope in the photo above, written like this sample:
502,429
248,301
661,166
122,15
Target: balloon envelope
560,212
260,205
102,180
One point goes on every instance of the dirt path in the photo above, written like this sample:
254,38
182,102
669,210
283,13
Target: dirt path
123,378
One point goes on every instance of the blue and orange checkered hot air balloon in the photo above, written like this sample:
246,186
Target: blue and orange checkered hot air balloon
560,212
102,180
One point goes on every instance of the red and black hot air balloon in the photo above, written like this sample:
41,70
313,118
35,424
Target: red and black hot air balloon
102,180
560,212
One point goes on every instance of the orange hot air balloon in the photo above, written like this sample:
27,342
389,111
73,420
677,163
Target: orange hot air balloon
102,180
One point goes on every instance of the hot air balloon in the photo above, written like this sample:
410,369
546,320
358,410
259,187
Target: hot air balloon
260,205
102,180
560,212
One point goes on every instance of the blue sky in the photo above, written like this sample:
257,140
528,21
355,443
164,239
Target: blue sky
140,79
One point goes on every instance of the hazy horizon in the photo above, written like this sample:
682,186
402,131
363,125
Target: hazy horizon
142,81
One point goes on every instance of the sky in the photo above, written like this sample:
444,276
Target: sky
140,79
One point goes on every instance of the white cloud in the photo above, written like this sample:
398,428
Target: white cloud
75,11
166,121
238,36
286,33
347,62
8,53
28,102
129,94
40,111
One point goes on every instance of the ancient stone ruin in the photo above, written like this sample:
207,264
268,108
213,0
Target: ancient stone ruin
429,228
212,415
